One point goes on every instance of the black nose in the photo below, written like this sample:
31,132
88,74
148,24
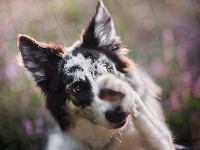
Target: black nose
116,115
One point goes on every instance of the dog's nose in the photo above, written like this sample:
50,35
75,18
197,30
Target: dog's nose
116,115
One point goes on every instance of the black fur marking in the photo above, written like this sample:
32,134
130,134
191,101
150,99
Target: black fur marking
84,97
88,37
74,68
40,59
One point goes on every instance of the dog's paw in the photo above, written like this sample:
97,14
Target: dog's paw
118,93
111,88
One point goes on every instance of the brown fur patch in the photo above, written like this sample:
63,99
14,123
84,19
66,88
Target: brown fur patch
49,47
119,55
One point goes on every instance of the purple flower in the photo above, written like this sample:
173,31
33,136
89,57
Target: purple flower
28,127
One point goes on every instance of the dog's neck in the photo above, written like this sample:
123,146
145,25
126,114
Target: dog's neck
93,137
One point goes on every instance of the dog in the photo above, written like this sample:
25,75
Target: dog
97,95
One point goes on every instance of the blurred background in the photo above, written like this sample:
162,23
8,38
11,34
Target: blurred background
163,38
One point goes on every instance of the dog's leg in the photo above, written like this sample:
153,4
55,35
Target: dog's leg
152,130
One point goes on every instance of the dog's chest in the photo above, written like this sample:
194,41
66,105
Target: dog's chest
93,137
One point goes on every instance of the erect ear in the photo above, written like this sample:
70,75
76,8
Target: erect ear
101,31
101,34
40,58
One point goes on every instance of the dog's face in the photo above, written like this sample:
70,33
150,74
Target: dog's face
79,70
68,76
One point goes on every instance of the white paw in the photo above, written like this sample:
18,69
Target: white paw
118,92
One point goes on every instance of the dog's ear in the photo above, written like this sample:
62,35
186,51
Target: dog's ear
40,58
101,34
101,31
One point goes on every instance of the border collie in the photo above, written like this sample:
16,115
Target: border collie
97,95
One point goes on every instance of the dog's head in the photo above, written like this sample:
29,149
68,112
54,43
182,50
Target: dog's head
67,76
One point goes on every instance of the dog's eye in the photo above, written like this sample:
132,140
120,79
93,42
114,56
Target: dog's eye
76,89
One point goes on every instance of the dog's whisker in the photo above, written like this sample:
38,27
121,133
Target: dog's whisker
120,133
118,139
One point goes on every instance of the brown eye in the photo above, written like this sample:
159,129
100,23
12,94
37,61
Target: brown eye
76,89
